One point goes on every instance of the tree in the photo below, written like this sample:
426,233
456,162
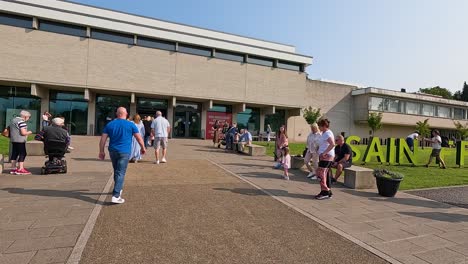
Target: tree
462,130
311,115
374,121
437,90
463,94
423,128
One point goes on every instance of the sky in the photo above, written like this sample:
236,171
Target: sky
390,44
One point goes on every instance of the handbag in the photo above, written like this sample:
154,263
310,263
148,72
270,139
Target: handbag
6,132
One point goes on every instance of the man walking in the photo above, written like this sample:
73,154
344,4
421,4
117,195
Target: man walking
160,129
120,132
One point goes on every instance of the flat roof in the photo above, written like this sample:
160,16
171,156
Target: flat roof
409,96
96,17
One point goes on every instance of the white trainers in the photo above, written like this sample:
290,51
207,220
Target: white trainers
156,162
118,200
311,174
313,177
163,160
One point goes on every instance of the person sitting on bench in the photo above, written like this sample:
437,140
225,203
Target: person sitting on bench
245,139
343,157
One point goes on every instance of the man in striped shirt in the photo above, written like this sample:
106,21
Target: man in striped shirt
18,136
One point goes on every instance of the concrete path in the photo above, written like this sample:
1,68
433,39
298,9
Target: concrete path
198,208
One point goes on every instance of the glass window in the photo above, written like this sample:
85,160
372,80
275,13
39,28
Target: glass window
276,120
391,105
376,103
221,108
59,95
112,36
412,108
249,119
443,111
459,113
195,50
62,28
16,21
289,65
106,105
428,110
13,100
227,55
155,43
260,61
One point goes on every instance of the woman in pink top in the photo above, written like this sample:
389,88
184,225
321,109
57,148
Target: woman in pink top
281,142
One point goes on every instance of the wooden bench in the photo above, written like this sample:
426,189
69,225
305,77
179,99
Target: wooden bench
356,177
253,150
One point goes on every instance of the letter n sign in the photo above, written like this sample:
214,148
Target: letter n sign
461,153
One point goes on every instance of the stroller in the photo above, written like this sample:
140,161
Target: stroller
55,150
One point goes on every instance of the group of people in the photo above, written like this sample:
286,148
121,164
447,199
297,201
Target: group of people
323,151
436,142
52,128
231,136
126,143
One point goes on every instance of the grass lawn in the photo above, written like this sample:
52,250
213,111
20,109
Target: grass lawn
4,142
415,177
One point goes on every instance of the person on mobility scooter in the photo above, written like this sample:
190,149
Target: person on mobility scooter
56,140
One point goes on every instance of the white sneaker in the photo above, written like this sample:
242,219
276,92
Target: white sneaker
163,160
156,162
311,174
313,177
118,200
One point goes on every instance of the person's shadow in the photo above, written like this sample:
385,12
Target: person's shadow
76,194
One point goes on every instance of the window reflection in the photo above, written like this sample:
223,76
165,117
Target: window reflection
443,112
428,110
249,119
106,106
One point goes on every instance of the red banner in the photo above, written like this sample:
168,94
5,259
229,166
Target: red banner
211,117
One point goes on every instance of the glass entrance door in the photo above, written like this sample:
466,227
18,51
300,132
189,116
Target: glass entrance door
187,120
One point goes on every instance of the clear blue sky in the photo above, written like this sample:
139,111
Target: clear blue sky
388,44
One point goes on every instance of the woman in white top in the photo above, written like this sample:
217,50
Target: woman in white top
436,141
326,156
313,140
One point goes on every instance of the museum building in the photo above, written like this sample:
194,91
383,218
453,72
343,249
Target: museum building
82,62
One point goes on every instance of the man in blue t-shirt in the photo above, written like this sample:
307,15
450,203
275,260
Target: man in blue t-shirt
120,133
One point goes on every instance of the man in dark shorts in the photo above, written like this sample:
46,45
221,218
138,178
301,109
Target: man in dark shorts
343,157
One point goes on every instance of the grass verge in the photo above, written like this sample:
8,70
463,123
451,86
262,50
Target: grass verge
417,177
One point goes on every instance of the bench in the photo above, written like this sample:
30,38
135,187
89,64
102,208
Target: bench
253,150
356,177
35,148
263,136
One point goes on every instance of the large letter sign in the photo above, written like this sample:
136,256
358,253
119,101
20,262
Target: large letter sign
356,152
404,150
374,149
391,151
461,153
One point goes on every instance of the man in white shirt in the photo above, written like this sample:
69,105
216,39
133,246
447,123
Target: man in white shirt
436,141
160,129
410,139
312,150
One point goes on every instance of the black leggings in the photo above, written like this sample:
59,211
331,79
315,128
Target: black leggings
18,151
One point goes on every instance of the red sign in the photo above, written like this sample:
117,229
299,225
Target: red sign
211,117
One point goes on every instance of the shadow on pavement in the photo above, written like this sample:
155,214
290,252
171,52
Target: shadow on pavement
91,159
374,196
76,194
275,192
443,217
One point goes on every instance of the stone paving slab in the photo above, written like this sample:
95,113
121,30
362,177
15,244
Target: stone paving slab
189,211
409,228
41,216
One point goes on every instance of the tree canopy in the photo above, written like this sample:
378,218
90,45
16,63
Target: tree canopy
437,90
311,115
374,121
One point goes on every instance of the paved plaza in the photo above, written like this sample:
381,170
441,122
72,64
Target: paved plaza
209,206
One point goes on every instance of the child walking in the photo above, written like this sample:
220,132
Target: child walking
286,162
